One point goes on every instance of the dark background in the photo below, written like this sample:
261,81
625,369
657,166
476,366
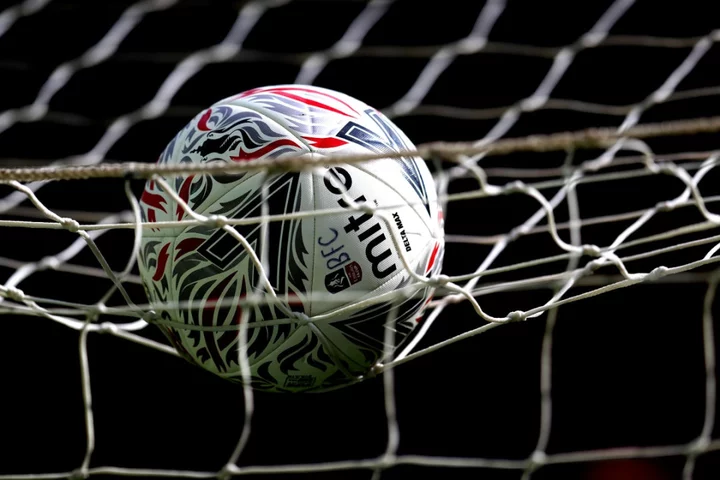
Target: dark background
628,366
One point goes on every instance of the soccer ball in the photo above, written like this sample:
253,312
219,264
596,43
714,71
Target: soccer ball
332,281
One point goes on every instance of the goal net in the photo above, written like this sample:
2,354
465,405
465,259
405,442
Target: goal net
574,147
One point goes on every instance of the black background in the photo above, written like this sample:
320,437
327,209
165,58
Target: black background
627,366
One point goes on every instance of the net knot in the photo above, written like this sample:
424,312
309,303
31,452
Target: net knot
217,221
94,313
698,446
595,264
665,168
79,474
438,280
591,250
70,224
14,293
656,273
50,262
666,206
517,232
592,39
345,47
386,461
375,370
537,460
471,45
151,316
515,186
365,208
516,316
533,103
108,327
35,112
227,472
301,317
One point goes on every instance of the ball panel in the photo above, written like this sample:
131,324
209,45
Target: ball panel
211,263
355,253
331,122
361,335
220,134
304,363
313,114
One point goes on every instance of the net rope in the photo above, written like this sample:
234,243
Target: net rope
623,155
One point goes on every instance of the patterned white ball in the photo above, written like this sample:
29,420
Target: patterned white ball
319,332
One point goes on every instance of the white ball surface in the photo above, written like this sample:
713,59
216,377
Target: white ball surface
316,263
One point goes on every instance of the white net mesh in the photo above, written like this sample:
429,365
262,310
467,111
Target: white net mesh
601,381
